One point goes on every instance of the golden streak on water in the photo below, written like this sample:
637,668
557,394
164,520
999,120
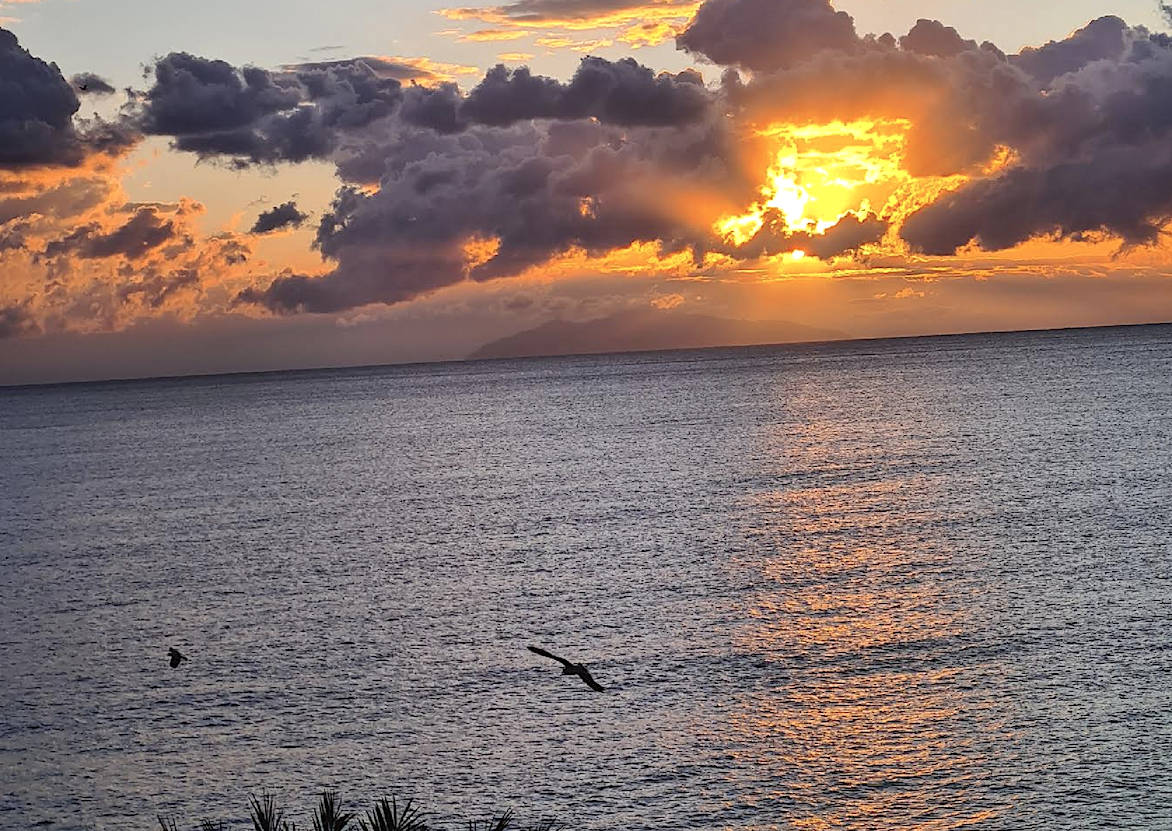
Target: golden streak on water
845,633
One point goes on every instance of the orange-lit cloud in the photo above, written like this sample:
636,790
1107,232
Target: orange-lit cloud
562,42
820,154
558,14
634,22
492,35
414,69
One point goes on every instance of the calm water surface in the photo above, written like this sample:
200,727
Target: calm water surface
916,584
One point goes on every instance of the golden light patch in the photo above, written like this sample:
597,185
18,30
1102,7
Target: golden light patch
824,172
640,259
675,13
491,35
479,250
667,301
651,33
561,42
435,71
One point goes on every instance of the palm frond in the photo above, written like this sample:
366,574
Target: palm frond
328,815
266,816
388,816
496,823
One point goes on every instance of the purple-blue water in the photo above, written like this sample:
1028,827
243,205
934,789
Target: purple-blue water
908,584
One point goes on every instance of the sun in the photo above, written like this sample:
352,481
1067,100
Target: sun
824,172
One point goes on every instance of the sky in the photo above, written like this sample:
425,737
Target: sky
215,187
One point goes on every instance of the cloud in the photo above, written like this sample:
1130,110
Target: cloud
1124,192
774,237
283,216
255,116
1089,155
420,70
449,177
493,35
1103,39
63,199
493,202
767,35
154,291
931,37
574,14
87,83
637,22
573,44
16,321
252,116
37,106
614,92
145,230
193,95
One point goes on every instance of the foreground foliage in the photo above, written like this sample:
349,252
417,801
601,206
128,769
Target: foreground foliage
385,815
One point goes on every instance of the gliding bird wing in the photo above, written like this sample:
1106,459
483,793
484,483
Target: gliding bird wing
539,651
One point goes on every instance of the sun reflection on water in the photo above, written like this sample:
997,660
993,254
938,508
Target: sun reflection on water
860,713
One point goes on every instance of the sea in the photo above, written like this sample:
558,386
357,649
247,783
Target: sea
902,584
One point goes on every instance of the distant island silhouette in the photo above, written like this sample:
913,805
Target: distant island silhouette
645,330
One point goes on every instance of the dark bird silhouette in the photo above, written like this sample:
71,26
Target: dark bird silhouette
570,668
177,657
83,87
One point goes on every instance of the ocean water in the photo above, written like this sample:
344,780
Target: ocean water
906,584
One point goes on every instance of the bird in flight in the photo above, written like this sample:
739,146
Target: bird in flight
177,657
569,668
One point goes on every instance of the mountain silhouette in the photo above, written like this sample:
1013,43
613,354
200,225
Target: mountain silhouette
645,330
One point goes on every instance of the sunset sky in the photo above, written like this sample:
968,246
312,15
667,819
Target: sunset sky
258,185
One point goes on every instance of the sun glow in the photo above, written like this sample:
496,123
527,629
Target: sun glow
822,173
479,250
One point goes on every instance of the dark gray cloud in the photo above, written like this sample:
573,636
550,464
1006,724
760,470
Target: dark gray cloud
255,116
931,37
37,106
773,238
767,35
87,83
614,92
383,68
523,169
143,232
1092,158
536,193
193,95
284,215
1103,39
322,110
847,235
1123,192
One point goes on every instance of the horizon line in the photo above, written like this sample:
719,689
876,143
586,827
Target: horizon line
143,379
